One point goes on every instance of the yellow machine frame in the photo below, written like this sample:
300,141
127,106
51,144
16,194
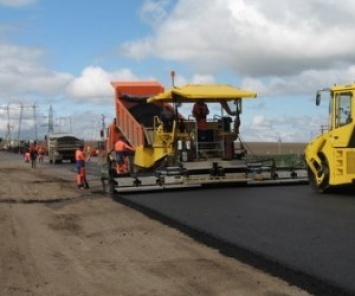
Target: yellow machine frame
164,142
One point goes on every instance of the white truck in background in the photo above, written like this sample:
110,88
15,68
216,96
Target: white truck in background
62,147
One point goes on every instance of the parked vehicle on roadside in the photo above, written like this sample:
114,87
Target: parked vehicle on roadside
62,147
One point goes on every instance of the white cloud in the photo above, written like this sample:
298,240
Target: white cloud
137,50
154,12
254,38
290,128
198,78
260,122
22,73
180,80
307,82
94,83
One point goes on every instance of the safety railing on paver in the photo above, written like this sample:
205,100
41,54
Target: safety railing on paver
129,126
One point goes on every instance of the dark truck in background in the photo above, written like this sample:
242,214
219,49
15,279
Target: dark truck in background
62,147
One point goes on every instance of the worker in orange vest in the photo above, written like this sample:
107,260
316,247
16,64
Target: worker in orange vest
34,155
41,152
200,112
27,155
120,149
80,165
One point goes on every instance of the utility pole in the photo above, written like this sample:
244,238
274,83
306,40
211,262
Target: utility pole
20,122
66,122
102,133
70,128
8,128
172,76
50,121
35,121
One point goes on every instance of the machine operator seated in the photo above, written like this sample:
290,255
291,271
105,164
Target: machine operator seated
200,112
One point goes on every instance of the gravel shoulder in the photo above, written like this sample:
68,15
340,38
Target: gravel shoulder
58,240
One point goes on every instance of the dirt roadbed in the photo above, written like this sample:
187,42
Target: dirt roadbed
59,240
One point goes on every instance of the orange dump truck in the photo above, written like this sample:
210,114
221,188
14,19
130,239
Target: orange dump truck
134,115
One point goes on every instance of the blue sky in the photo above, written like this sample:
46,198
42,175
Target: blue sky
64,53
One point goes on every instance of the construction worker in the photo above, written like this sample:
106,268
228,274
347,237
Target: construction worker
33,155
27,155
88,149
41,151
167,118
120,149
80,165
200,112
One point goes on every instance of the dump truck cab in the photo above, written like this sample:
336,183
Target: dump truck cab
331,156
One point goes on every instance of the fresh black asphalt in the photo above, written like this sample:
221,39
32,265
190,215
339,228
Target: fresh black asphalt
303,237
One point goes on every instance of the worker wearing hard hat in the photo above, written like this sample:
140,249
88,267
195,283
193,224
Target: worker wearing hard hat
80,165
120,149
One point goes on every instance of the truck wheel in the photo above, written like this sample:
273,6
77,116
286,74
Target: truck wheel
323,187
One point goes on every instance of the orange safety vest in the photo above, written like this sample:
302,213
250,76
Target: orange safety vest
79,155
200,112
40,150
120,146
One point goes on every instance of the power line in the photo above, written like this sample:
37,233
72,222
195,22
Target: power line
10,127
